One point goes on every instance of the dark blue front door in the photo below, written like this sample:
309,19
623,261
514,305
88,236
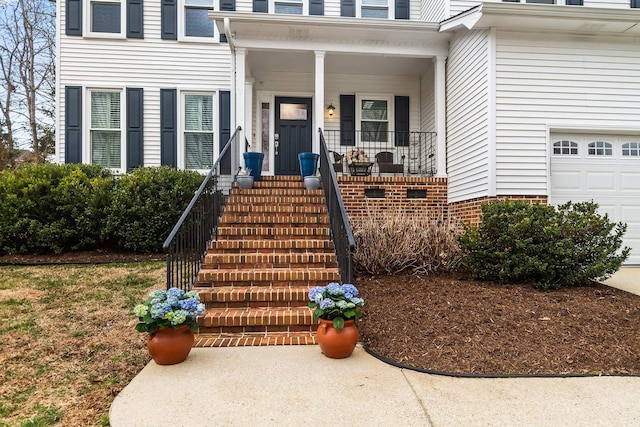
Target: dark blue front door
293,133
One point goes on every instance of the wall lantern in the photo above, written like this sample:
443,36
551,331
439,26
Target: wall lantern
331,109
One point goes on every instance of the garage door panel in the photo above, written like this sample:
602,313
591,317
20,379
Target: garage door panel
601,181
630,181
567,181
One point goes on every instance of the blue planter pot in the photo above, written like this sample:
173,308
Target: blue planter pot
253,161
308,163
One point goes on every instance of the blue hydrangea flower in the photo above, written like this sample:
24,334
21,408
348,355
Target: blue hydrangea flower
159,310
327,304
316,294
189,304
157,296
350,291
335,289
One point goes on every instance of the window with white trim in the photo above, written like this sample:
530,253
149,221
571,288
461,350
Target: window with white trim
198,131
565,148
196,18
378,9
105,132
290,7
374,119
600,148
631,149
106,17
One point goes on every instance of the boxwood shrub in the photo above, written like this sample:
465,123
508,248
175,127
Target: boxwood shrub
521,242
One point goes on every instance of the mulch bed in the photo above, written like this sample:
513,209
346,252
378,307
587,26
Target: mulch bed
449,324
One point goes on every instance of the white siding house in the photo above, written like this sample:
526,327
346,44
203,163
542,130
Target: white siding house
505,88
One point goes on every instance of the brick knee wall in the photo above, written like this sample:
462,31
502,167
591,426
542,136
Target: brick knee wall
469,211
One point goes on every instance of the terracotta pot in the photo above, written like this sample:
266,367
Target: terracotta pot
169,346
337,344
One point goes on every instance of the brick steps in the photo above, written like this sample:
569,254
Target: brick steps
273,245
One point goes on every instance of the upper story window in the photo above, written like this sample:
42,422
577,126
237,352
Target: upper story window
196,19
565,148
374,9
631,149
105,133
106,18
291,7
198,131
600,148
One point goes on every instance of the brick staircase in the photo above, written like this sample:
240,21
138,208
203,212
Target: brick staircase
273,246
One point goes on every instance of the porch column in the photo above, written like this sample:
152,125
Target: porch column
319,99
248,110
241,55
441,123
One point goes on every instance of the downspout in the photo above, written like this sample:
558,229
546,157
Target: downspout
235,154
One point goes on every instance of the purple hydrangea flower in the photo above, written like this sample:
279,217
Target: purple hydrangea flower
335,289
350,291
315,294
327,304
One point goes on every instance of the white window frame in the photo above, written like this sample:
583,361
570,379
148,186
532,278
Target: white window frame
599,145
630,149
87,144
87,8
571,146
182,148
182,25
305,6
391,10
390,114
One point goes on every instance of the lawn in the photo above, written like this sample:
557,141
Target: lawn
67,340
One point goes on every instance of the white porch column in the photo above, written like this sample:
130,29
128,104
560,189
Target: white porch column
319,99
248,118
441,123
241,55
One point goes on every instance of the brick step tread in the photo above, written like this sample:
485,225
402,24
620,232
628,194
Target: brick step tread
277,191
263,209
255,339
267,275
275,199
271,246
275,218
263,231
253,294
213,260
237,317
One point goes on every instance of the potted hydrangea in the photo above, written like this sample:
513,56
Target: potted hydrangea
169,318
337,307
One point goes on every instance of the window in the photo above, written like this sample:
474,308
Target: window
374,120
565,148
635,4
600,148
196,19
198,131
374,9
105,131
631,149
291,7
105,16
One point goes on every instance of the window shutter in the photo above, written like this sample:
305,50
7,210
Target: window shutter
401,121
347,119
168,127
135,128
229,5
634,4
580,2
260,6
169,17
73,17
225,130
347,8
316,7
135,19
73,124
402,9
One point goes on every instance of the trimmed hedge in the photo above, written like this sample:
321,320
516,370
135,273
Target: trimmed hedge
531,243
57,208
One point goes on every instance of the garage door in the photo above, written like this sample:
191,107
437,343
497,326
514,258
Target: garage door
602,168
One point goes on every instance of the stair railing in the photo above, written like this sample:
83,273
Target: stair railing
187,244
341,233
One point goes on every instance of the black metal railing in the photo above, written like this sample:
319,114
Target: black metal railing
399,153
187,244
340,229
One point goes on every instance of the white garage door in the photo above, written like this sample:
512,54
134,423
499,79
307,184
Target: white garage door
602,168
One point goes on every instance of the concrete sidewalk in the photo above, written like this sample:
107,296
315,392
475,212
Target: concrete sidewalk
627,279
297,385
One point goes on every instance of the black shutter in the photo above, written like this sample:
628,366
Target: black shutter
135,19
402,9
135,128
402,121
634,4
168,127
316,7
347,119
73,124
73,17
229,5
347,8
260,6
169,17
225,130
580,3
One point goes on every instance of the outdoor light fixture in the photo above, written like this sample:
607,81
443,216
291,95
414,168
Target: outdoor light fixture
331,109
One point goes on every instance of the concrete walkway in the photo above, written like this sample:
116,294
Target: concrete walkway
297,385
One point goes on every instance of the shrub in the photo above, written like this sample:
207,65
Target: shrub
397,242
53,208
146,205
532,243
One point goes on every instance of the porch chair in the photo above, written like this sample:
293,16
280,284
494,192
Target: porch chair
384,159
337,161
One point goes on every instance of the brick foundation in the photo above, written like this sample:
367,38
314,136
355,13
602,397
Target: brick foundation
469,211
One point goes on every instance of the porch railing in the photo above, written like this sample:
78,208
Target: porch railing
340,229
187,244
410,153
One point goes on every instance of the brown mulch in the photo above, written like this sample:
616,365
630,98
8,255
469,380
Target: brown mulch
449,324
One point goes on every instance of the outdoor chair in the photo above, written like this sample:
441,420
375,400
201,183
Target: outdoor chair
386,165
337,161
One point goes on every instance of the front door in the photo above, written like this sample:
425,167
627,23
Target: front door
292,134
